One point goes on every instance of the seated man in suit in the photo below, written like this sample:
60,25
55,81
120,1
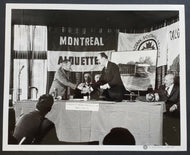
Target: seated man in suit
169,92
110,81
32,127
85,87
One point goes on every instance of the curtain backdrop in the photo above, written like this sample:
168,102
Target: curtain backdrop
30,41
30,64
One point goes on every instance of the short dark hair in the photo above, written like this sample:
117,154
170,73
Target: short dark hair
45,102
103,55
65,61
119,136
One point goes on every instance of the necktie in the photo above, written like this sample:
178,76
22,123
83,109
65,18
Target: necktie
167,89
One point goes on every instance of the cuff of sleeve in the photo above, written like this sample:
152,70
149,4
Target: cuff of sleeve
175,106
91,89
108,86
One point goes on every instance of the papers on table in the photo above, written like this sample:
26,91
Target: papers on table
83,106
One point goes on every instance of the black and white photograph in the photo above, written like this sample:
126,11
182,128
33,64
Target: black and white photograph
94,77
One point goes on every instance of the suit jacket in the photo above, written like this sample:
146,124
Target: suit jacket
61,82
32,126
173,98
111,75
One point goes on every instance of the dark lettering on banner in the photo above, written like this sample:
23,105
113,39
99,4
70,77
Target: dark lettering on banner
174,34
61,41
79,60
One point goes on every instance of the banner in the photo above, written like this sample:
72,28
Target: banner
137,68
81,61
173,47
164,40
58,40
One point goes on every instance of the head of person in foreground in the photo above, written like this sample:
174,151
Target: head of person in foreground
119,136
44,104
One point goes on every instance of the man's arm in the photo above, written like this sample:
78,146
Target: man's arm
63,79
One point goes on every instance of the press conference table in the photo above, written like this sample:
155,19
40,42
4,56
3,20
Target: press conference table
143,119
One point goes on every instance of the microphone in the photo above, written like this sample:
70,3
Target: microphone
21,69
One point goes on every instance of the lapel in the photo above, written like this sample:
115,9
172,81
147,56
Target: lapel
64,73
108,67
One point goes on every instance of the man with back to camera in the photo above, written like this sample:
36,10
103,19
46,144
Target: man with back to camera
119,136
170,94
110,81
61,81
33,126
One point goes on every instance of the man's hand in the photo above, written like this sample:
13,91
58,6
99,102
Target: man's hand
80,86
105,86
173,108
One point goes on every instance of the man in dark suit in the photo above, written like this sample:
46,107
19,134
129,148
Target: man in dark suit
110,81
32,127
169,92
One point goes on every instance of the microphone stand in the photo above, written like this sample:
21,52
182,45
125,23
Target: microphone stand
19,89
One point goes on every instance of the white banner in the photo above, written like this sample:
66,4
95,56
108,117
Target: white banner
81,61
155,40
137,68
173,45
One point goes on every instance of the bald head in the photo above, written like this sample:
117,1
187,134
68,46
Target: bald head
169,80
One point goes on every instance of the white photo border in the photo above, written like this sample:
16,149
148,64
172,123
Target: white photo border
97,7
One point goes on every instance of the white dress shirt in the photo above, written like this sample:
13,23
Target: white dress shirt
169,89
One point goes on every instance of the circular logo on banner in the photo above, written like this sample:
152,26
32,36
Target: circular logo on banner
149,44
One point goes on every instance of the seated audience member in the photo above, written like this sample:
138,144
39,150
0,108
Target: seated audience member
32,127
119,136
170,94
110,81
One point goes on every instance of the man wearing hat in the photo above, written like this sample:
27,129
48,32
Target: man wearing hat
31,127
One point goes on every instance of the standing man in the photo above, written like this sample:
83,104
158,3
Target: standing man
169,92
61,80
110,81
